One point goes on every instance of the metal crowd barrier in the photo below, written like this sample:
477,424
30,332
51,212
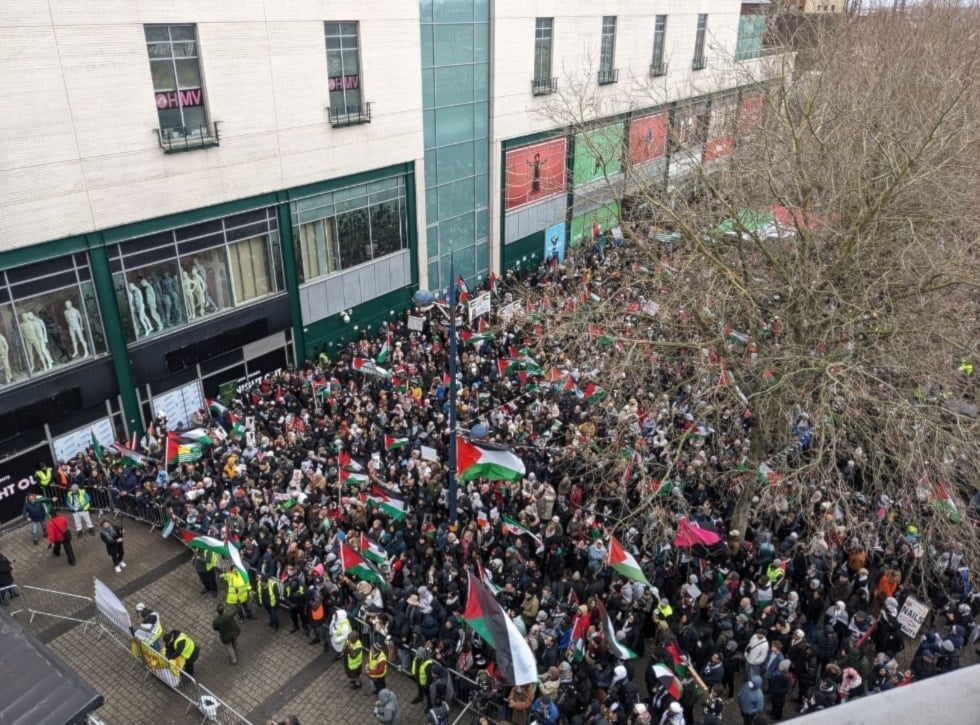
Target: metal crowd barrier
112,501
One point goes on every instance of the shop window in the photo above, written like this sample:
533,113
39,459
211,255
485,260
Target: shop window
342,229
178,88
184,275
49,318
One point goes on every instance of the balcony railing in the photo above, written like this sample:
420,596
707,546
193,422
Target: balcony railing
658,69
544,86
350,116
607,77
699,63
173,140
756,53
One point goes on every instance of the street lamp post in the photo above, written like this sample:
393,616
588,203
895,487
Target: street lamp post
452,483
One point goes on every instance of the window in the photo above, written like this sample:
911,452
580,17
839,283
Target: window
657,65
751,28
607,51
177,86
543,82
341,229
166,280
344,74
699,62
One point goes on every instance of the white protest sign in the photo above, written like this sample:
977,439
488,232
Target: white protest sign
912,616
416,323
480,306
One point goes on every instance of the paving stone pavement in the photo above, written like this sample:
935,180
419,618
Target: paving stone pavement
278,674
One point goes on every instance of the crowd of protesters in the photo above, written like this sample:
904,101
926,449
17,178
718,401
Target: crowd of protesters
780,617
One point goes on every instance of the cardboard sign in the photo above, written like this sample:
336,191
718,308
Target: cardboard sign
912,616
480,306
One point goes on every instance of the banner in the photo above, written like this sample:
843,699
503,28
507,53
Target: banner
416,323
69,445
554,243
17,479
480,306
179,404
112,608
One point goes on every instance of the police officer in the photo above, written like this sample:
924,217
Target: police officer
237,594
269,593
181,648
353,659
45,478
294,592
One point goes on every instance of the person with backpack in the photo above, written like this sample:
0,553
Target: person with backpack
438,713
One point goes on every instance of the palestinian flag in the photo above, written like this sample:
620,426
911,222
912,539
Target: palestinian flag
393,444
132,458
355,565
516,528
369,367
482,325
592,393
615,647
475,338
665,677
495,464
196,435
387,502
488,619
385,351
221,548
97,448
216,408
677,659
767,474
352,477
348,463
576,642
179,451
371,549
463,292
624,562
939,498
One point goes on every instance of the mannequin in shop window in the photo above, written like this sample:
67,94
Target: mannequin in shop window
138,308
73,318
193,294
150,299
5,360
200,276
55,337
36,339
171,300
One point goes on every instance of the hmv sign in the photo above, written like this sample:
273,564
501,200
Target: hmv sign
343,83
180,99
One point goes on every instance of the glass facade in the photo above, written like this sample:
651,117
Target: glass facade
49,318
169,279
455,100
337,230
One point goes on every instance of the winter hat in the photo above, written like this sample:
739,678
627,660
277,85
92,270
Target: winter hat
948,646
675,707
785,665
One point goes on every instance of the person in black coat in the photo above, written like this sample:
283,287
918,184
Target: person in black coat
7,588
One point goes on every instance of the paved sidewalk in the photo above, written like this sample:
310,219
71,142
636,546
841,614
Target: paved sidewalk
278,674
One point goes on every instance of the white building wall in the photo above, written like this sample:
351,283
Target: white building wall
80,153
577,31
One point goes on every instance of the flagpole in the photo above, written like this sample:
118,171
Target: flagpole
452,393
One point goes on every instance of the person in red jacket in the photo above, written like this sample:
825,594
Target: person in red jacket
59,535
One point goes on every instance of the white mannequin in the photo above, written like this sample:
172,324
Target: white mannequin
201,288
36,338
139,310
74,319
189,286
5,360
150,295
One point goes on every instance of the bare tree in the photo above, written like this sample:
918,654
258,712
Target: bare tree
799,316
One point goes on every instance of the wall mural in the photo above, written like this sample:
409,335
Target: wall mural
534,172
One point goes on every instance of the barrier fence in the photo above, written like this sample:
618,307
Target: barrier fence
46,609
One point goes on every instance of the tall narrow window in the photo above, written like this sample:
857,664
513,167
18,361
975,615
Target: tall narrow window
344,74
607,52
657,66
699,62
543,82
177,85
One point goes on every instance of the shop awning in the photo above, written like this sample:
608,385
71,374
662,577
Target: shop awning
38,687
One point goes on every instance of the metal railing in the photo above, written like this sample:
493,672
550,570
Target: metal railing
658,69
351,116
108,500
544,86
607,77
699,63
173,140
